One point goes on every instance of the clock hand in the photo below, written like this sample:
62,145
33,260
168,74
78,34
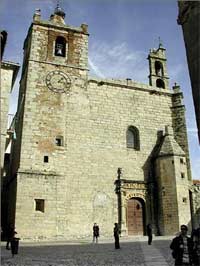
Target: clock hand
61,80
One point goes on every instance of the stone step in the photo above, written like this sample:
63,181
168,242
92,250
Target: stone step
152,256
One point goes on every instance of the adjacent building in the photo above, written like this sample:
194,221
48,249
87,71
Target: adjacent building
8,74
189,19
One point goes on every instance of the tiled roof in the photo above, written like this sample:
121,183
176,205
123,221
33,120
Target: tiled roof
196,182
170,147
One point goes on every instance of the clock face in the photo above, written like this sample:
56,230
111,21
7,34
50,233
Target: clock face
58,81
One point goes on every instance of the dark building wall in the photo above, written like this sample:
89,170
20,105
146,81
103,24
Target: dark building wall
189,19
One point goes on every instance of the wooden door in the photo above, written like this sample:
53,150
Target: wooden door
134,217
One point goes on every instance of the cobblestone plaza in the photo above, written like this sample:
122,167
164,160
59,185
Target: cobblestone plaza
137,253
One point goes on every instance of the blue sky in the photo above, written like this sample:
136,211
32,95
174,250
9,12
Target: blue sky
121,34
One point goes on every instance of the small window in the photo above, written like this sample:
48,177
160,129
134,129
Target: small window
39,205
59,141
132,138
182,175
184,200
181,161
46,159
60,46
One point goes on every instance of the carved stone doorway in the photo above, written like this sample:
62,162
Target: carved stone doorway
135,216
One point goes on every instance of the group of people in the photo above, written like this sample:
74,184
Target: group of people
185,249
116,233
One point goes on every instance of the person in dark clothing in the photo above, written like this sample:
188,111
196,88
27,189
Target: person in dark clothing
116,232
10,232
149,233
95,233
196,248
182,247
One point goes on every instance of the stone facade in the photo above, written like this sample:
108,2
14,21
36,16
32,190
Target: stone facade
72,142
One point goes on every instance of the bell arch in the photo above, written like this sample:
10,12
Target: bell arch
159,68
160,83
60,46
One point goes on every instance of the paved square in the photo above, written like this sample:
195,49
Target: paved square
131,254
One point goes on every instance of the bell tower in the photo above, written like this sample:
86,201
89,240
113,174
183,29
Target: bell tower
157,66
55,67
54,76
54,41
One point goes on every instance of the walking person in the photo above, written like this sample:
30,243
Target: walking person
196,241
182,247
116,232
14,245
10,233
95,233
149,233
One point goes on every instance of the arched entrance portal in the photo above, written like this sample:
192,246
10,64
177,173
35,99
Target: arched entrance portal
135,216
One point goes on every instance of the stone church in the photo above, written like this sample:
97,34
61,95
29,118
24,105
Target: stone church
94,150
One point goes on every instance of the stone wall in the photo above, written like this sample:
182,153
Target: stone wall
6,85
93,120
179,125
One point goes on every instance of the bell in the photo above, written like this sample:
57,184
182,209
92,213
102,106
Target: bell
59,51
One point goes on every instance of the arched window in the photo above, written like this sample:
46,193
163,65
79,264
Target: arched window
160,83
60,46
159,68
132,138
